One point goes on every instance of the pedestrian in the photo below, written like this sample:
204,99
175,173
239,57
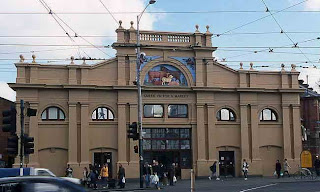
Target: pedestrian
85,176
92,179
213,169
147,174
69,171
161,174
171,174
278,168
286,167
104,174
245,169
155,180
121,176
317,165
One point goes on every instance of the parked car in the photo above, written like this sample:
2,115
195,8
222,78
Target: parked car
30,171
38,184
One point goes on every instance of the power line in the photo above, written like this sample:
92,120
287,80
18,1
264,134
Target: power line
162,12
228,31
283,31
109,12
76,34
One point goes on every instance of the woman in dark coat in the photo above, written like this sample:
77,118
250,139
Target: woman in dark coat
278,168
121,176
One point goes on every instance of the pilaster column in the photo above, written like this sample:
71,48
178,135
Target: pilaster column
132,69
212,133
286,131
199,72
122,133
201,132
34,132
34,74
297,142
254,132
244,132
121,70
72,138
84,135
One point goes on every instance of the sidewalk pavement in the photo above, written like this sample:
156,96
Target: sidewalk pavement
134,185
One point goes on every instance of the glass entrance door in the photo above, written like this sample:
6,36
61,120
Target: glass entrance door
226,161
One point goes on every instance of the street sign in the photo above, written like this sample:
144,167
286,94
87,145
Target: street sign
306,159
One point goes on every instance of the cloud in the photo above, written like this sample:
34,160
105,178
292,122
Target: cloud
313,5
6,92
83,24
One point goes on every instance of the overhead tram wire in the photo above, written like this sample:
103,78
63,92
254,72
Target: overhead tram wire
160,12
228,31
109,12
295,44
76,34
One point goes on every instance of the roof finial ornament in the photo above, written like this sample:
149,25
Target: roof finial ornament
293,67
241,64
120,24
208,28
131,23
84,60
282,67
21,58
33,58
251,66
197,28
72,59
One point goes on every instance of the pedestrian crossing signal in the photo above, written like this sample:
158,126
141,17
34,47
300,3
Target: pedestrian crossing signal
136,149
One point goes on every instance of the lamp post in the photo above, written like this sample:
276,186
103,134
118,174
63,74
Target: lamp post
139,62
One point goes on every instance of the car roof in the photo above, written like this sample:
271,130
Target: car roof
32,178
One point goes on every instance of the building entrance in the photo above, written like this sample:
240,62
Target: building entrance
226,162
101,158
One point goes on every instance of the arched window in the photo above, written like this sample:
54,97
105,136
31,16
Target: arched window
226,114
53,114
102,114
268,115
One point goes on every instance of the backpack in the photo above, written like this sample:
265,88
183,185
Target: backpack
211,168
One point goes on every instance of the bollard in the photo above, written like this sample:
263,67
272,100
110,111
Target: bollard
192,180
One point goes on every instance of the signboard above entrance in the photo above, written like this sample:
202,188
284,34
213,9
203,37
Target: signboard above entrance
166,95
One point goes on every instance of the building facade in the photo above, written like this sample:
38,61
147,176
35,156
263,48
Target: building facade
195,110
310,119
5,159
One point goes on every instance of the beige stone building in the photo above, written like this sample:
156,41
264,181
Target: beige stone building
196,110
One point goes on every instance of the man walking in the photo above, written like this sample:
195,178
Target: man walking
104,174
278,168
286,167
121,176
317,165
245,168
69,171
213,169
147,174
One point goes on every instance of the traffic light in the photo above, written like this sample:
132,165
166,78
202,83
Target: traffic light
9,120
28,144
136,149
133,131
31,112
12,146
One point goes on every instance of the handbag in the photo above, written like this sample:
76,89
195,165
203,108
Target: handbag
174,179
123,180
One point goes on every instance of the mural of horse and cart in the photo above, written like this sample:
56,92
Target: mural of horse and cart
165,75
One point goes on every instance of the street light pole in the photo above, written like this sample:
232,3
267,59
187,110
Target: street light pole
139,62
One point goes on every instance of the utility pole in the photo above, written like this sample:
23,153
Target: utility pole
22,131
138,63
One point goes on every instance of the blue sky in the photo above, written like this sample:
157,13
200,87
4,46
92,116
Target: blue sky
219,22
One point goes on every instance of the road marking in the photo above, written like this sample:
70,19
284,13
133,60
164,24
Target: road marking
258,187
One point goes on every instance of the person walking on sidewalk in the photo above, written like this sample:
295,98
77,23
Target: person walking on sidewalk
317,165
213,169
104,174
121,176
69,171
245,169
147,174
286,167
278,168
